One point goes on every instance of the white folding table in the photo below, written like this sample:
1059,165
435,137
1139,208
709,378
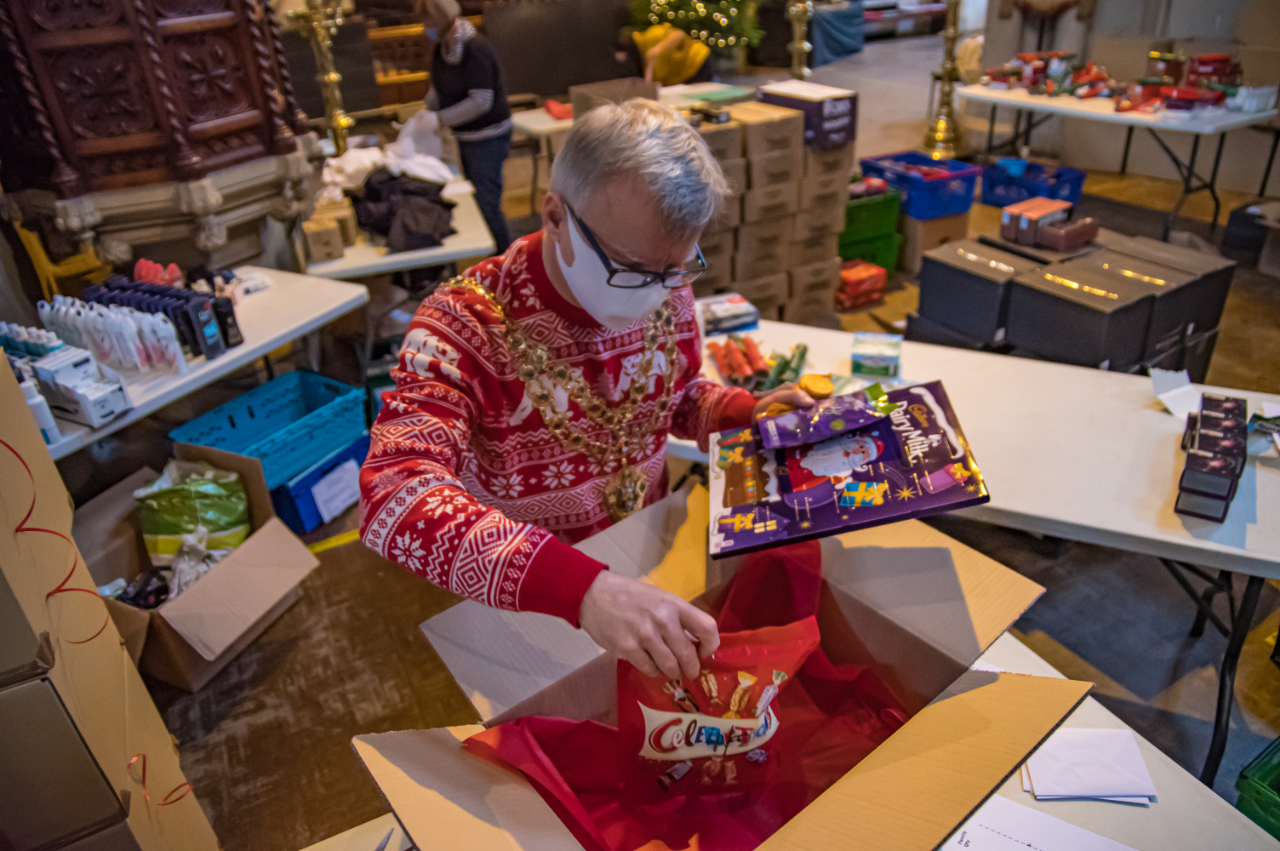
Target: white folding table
1085,455
293,306
1199,123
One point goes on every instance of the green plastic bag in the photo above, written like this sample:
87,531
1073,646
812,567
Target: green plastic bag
187,497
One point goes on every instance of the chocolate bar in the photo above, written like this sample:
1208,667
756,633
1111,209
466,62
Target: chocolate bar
1221,444
1067,236
1227,424
1209,475
825,419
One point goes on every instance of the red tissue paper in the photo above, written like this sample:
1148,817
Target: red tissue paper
826,719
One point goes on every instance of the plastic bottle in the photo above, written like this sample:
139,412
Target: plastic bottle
40,410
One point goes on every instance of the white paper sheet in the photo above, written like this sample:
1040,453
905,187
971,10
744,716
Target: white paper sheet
1089,763
1175,390
338,490
1002,825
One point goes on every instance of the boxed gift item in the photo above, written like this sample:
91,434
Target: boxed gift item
921,235
189,639
830,114
838,466
836,162
964,285
768,129
1080,316
776,168
724,140
966,733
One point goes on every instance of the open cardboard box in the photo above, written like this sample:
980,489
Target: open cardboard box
896,599
189,639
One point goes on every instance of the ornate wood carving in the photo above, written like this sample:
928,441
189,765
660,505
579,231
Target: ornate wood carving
102,92
107,94
54,15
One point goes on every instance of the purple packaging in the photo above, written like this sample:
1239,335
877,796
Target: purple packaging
1224,405
1228,424
825,419
1209,475
830,114
915,462
1189,433
1221,444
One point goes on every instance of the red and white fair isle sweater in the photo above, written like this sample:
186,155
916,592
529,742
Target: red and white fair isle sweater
465,486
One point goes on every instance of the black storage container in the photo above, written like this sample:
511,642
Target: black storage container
965,287
1082,316
923,330
1209,293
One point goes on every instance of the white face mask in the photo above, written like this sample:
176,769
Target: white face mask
613,307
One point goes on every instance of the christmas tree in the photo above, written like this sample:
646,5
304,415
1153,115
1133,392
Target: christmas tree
723,25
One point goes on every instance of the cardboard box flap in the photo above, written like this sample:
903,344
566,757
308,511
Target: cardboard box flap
107,527
914,790
501,658
446,798
226,601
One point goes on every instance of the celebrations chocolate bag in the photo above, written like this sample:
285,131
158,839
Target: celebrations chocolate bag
711,734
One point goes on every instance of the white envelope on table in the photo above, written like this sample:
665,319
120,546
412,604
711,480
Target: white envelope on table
1079,762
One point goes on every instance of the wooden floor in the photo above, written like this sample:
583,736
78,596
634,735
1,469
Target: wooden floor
1161,194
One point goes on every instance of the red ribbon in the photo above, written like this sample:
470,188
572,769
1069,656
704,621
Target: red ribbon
184,788
62,587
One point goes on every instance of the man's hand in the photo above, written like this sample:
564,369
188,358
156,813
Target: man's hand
788,394
650,628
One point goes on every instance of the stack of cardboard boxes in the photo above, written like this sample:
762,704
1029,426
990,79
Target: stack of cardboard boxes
776,241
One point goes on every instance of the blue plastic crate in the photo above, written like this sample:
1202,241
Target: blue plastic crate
288,424
1000,188
293,501
926,198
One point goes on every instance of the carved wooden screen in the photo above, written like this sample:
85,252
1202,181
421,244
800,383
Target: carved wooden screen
110,94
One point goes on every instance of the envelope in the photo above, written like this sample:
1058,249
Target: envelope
1089,763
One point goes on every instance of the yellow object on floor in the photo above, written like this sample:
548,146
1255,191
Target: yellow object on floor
341,539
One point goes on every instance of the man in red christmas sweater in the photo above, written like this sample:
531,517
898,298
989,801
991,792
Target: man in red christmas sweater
533,401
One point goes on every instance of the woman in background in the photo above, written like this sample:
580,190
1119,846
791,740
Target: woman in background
671,56
468,95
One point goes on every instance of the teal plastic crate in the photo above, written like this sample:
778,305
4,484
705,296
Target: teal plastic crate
875,215
1259,788
880,250
288,424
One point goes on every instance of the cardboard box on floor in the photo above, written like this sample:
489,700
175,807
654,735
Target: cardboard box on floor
189,639
896,598
90,667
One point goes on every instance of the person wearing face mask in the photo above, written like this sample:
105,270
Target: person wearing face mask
534,395
469,96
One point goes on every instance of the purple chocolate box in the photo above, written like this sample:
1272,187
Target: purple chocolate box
915,462
830,114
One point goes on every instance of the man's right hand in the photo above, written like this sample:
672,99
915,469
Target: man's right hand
650,628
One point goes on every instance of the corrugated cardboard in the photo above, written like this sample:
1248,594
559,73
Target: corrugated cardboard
815,280
748,267
920,235
897,599
188,640
819,220
724,140
814,249
824,163
767,129
769,286
1260,64
823,189
766,238
94,676
776,168
735,174
729,217
769,202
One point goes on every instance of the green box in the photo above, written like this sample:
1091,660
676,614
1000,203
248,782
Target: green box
880,250
875,215
1259,787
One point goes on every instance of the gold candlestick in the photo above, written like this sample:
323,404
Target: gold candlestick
945,139
799,14
319,22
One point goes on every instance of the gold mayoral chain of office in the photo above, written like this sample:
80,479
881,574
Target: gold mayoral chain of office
625,490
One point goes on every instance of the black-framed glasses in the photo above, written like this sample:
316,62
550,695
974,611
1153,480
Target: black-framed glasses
634,279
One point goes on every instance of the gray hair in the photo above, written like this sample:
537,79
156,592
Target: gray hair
655,143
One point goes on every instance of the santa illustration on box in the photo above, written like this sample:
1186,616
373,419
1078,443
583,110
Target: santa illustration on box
832,460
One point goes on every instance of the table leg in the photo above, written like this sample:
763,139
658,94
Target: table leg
1187,174
991,132
1271,158
1227,679
1124,160
1213,183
